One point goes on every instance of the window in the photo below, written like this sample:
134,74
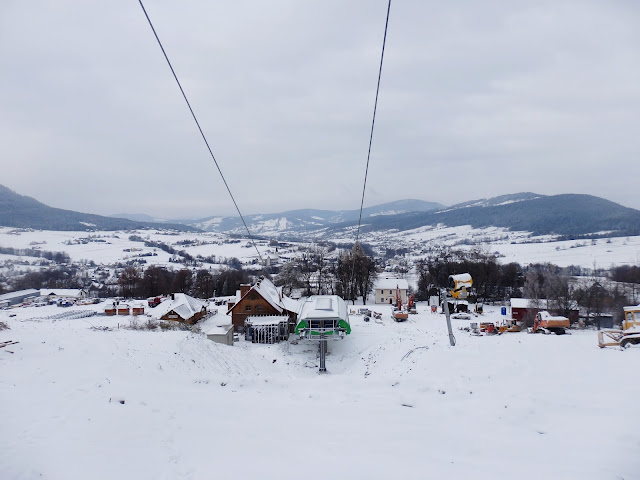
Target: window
247,308
258,308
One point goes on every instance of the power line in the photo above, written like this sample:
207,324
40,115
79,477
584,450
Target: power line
201,132
373,122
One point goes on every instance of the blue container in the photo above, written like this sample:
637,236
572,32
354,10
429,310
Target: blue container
503,310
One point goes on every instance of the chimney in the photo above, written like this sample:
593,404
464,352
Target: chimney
244,288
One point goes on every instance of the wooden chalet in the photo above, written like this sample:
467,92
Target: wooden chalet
261,299
182,308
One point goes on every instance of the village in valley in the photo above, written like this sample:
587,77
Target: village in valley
427,356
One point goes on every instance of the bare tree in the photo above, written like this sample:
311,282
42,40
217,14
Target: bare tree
289,277
182,281
203,285
128,281
356,274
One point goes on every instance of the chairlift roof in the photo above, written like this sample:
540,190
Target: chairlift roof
324,306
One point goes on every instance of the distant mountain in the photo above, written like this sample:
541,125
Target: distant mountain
139,217
565,215
498,201
294,222
25,212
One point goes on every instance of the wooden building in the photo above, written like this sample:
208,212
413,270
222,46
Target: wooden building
180,307
263,298
110,309
137,309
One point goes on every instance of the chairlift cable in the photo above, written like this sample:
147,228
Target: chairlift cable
201,132
373,122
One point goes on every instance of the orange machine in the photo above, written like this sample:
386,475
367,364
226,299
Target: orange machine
546,323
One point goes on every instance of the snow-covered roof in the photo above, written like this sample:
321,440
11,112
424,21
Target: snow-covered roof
266,319
19,293
528,303
183,305
635,308
388,283
222,329
60,292
462,278
323,306
291,304
272,294
540,304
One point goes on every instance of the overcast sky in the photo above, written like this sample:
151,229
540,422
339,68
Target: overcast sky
477,99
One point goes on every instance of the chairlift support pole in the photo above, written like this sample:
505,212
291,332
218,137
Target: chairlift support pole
323,351
452,339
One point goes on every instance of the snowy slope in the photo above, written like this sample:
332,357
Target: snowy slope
512,406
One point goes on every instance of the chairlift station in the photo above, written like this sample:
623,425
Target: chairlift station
323,317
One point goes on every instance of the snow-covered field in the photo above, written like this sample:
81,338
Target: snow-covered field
398,402
107,248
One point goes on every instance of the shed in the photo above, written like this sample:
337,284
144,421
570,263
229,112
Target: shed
137,309
123,309
110,309
221,334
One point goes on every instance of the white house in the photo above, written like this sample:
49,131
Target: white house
387,288
66,293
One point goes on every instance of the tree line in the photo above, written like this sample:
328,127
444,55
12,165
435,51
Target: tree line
155,281
495,282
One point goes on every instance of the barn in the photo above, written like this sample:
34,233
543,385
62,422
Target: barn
525,309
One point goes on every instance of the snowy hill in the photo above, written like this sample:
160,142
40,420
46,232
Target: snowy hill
26,212
79,402
565,215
